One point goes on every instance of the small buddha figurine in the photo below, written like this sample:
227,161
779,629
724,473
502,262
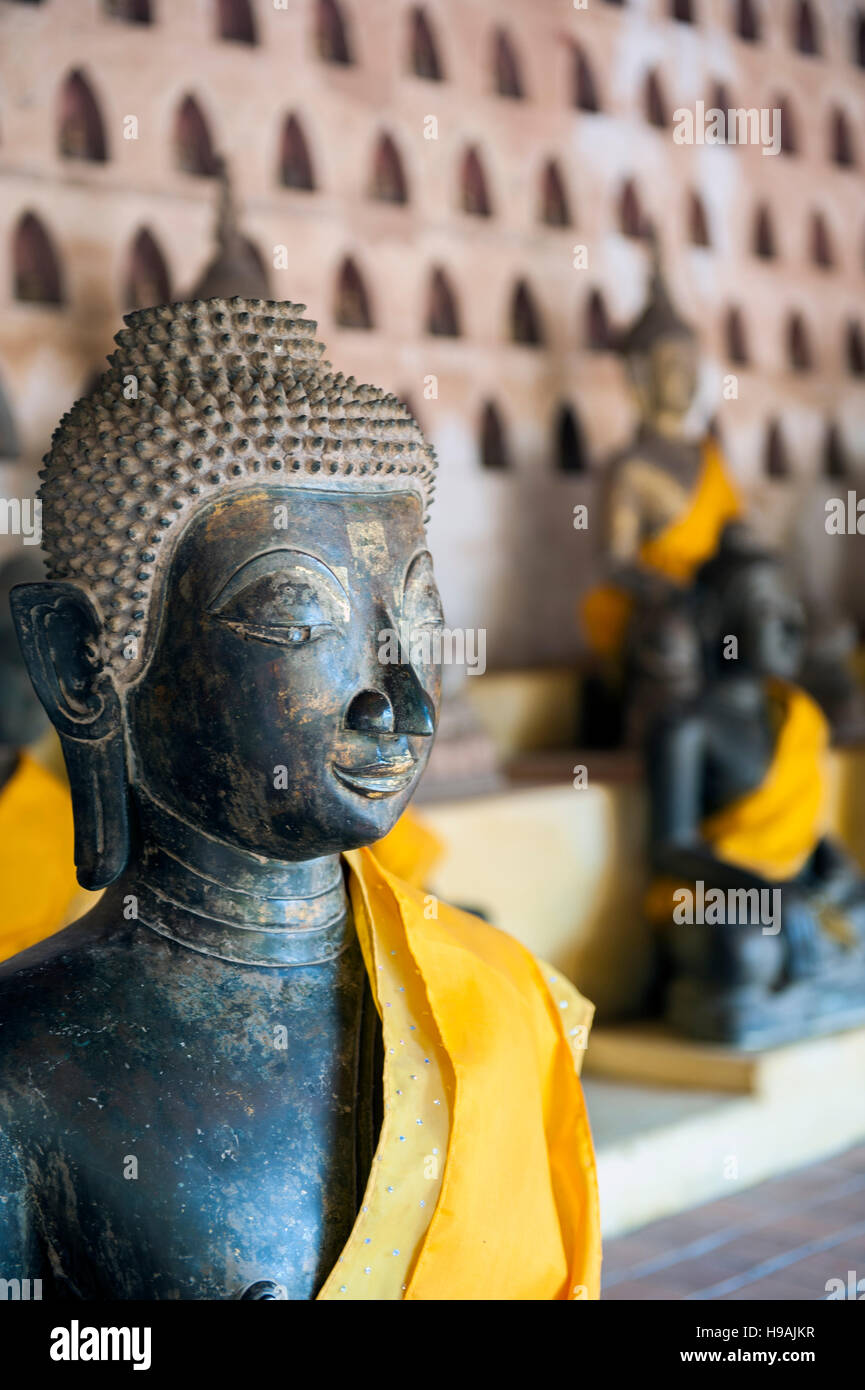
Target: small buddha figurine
829,672
235,268
761,915
264,1066
668,495
39,892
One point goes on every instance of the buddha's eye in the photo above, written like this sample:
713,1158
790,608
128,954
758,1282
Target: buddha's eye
285,609
292,635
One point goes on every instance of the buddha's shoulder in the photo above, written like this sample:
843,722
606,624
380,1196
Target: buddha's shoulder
62,980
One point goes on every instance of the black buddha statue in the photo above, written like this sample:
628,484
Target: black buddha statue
263,1066
761,915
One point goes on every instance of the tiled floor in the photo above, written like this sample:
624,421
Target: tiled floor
781,1240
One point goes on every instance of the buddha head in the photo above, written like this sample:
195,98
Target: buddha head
744,593
237,553
661,351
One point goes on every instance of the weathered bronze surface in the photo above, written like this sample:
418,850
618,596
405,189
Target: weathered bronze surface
189,1074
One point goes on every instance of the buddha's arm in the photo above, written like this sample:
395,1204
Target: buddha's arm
640,500
675,764
622,520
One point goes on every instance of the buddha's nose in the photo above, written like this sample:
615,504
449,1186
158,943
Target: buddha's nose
399,705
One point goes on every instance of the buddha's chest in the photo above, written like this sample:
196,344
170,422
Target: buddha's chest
739,756
229,1155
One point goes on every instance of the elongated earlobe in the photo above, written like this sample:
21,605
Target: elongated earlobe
59,630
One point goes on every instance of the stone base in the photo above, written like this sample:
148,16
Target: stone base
678,1123
754,1019
651,1052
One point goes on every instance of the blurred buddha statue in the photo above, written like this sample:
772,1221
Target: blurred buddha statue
38,889
668,496
235,268
829,672
663,663
265,1066
762,916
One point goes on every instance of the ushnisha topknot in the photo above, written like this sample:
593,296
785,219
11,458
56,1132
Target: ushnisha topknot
200,398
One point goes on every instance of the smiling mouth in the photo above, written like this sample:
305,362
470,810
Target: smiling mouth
379,779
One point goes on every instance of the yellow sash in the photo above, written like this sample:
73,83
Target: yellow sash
774,829
676,552
39,892
410,850
483,1185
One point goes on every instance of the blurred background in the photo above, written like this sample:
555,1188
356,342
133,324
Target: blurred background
462,193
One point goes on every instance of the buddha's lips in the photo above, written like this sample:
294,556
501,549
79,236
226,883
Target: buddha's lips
378,779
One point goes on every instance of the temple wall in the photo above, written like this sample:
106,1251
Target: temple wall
507,556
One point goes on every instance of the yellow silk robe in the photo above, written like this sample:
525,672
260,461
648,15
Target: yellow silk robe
39,892
676,552
483,1185
410,850
774,829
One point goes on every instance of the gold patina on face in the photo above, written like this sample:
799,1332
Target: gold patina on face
661,351
276,707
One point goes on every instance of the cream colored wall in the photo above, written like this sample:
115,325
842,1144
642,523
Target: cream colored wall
563,871
523,711
507,556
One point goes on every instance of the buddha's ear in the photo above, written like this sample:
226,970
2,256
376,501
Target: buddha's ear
60,635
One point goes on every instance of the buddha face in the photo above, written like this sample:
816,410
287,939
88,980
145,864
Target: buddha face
673,375
769,622
273,712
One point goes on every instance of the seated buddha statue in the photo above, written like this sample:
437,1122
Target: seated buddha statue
667,497
761,914
265,1065
39,892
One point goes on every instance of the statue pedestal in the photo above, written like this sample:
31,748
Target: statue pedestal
678,1123
650,1052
